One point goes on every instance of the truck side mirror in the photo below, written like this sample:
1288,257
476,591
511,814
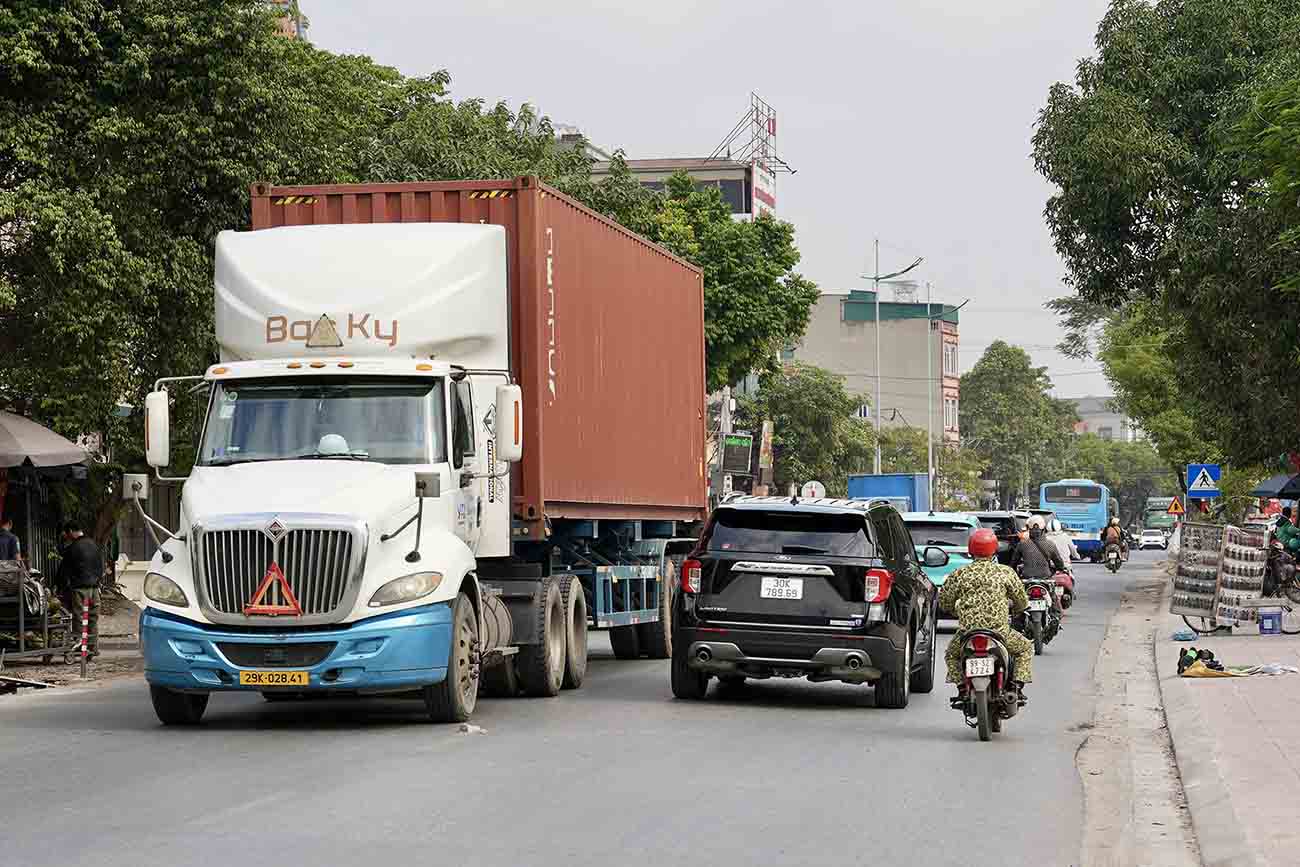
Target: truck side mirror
509,416
157,429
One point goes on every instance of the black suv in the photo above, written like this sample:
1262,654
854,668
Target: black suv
823,589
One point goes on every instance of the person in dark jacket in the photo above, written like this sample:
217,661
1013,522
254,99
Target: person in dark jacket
1038,558
78,578
9,547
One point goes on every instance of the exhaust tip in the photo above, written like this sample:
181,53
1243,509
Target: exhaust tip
854,663
704,654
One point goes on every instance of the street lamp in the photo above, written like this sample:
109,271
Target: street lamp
876,278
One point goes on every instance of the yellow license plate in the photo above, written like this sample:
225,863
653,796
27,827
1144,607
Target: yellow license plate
273,678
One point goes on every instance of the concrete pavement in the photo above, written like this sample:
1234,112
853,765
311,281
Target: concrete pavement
775,773
1233,739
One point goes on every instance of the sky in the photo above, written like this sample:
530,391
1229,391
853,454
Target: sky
906,120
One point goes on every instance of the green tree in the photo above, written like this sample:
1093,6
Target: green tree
957,470
1010,418
1168,193
815,432
1133,471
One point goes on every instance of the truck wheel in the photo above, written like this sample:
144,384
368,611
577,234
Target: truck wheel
541,665
500,681
453,699
687,683
178,708
575,631
893,686
656,639
625,641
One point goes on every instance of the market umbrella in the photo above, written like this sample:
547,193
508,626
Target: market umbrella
1285,486
23,441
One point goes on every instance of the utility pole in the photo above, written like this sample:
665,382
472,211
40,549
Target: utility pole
929,393
724,428
876,279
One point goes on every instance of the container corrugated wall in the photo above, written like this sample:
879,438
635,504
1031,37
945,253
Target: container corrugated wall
607,334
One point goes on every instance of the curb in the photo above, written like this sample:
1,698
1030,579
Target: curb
1218,832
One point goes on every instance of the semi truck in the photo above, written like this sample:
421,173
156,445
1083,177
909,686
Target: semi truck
452,426
909,492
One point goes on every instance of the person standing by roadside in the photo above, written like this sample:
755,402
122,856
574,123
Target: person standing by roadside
10,549
79,574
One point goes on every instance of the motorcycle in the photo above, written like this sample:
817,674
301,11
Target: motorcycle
988,694
1039,622
1064,589
1113,558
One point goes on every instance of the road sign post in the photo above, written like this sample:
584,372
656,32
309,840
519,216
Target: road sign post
1203,481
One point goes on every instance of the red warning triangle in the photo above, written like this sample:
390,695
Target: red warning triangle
259,605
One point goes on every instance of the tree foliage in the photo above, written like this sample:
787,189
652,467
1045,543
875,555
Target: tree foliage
815,432
957,470
1171,154
1010,418
1133,471
131,130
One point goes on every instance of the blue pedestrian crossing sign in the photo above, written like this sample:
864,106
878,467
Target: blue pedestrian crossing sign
1203,481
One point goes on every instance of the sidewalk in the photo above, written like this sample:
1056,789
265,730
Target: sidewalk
1233,739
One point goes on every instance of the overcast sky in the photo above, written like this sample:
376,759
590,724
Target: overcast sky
906,119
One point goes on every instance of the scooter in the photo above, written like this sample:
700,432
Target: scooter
1064,589
1039,622
1113,558
988,695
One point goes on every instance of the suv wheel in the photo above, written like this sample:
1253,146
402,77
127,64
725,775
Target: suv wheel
893,686
923,680
687,682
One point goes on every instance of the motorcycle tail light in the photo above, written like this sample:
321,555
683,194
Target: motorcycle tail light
979,643
1035,592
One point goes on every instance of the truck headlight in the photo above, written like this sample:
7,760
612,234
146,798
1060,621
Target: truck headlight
406,589
162,589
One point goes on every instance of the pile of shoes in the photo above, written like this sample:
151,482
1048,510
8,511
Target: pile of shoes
1189,657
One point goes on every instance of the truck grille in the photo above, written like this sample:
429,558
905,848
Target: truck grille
316,563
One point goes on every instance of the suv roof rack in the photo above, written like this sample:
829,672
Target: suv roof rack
835,502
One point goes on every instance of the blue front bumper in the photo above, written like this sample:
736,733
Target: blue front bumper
395,652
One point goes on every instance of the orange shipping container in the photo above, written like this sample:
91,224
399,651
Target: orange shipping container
607,342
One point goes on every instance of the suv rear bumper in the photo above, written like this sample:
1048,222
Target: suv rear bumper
818,656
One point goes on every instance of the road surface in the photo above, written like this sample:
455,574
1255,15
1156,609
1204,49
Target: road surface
776,773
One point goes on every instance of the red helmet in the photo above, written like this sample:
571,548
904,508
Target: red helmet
983,543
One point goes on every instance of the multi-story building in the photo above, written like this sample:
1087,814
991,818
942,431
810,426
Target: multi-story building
1098,416
841,337
747,188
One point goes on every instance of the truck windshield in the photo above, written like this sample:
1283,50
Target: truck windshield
385,420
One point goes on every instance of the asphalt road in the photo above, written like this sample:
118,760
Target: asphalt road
778,772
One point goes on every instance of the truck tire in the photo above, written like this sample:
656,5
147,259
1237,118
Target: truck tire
454,699
626,642
575,631
656,639
893,687
541,666
178,708
500,681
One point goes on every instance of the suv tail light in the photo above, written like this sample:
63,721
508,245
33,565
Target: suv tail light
1036,592
878,584
979,643
692,571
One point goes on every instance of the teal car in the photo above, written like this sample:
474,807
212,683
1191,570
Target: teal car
949,531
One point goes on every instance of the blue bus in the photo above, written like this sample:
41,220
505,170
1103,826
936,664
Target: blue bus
1083,506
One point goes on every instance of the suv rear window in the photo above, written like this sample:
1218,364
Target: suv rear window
790,532
938,533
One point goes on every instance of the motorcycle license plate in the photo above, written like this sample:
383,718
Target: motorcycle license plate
1037,604
781,588
979,666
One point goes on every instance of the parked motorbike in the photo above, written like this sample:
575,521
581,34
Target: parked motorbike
988,695
1113,558
1039,622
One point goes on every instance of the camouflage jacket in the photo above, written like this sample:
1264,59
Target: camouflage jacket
978,594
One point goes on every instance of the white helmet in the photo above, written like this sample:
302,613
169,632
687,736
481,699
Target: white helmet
1036,522
1056,526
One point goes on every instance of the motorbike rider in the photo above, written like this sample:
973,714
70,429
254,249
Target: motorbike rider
1064,545
1036,558
979,594
1112,536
